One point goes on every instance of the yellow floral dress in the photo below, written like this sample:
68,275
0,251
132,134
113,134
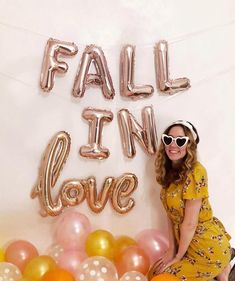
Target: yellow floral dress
209,251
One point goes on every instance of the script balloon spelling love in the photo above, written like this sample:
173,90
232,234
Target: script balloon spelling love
74,191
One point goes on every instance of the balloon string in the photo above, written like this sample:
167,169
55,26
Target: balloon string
167,97
201,82
198,32
170,41
24,30
28,85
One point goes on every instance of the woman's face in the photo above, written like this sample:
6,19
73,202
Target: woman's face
175,153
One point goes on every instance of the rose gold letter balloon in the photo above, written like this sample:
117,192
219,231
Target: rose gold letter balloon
53,161
102,78
96,119
128,87
72,192
98,202
51,64
124,186
164,83
130,128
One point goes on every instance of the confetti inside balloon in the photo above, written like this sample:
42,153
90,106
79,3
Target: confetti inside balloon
9,272
96,268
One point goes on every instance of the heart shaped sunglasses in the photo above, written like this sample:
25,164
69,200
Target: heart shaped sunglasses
180,141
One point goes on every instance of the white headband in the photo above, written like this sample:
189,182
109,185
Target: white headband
188,125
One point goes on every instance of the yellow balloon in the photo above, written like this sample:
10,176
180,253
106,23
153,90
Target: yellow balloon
2,255
122,242
25,279
37,267
100,243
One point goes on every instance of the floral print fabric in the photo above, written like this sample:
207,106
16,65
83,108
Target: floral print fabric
209,251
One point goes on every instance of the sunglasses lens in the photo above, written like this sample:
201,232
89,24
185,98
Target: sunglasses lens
167,140
181,141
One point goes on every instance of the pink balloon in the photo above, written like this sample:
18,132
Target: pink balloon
70,260
154,242
71,230
20,252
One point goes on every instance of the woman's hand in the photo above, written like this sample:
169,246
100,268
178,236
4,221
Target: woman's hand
174,260
160,264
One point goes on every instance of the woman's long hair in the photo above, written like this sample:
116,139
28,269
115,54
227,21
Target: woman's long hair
165,172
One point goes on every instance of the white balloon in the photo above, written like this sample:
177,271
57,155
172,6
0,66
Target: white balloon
9,272
133,276
96,269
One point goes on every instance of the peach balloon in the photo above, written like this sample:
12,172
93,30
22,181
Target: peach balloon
132,258
58,274
20,252
122,242
165,277
38,266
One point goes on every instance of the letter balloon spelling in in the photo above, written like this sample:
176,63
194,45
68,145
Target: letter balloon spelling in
102,78
127,85
146,135
51,64
164,83
96,119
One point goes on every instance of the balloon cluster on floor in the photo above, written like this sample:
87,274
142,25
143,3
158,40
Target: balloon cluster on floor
80,254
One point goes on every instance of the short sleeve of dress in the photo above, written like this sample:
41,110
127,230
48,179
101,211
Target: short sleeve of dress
196,184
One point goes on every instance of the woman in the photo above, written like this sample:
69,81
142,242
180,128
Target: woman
199,245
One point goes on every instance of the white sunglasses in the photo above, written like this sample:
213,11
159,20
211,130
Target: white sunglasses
180,141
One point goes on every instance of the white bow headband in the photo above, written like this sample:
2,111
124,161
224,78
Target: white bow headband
188,125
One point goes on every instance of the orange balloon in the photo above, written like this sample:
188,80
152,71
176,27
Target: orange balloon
100,243
58,274
38,266
122,242
132,258
165,277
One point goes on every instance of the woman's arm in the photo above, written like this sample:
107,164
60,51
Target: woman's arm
187,229
188,226
171,237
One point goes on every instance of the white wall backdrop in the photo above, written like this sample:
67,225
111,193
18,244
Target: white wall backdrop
201,38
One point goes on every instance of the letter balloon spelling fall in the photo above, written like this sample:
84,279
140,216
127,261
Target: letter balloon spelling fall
127,85
51,64
102,78
164,83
